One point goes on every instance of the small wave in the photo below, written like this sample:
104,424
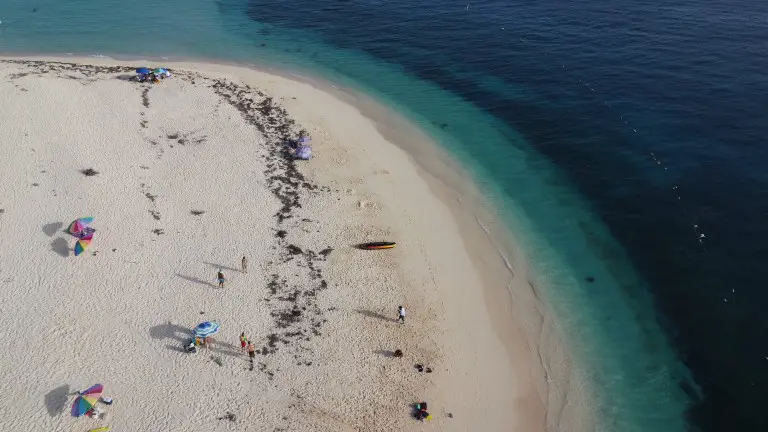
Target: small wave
501,253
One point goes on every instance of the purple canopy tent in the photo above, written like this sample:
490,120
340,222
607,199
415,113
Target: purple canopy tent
304,152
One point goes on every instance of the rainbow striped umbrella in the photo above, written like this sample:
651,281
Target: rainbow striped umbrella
87,399
86,233
79,225
81,245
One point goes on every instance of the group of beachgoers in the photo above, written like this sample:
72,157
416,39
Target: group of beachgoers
205,342
154,76
247,345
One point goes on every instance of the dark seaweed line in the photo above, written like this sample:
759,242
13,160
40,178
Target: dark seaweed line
293,307
43,67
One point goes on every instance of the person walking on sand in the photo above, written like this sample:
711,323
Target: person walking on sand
245,265
220,277
251,350
401,314
243,342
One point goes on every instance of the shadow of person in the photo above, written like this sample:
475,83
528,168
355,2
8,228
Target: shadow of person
61,247
385,353
56,400
219,266
377,315
176,332
225,348
52,228
196,280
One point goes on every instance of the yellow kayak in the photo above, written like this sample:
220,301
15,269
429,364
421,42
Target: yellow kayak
101,429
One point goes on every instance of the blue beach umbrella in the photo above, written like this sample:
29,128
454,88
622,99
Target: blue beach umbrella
205,329
143,71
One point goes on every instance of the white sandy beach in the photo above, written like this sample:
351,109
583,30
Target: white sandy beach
321,312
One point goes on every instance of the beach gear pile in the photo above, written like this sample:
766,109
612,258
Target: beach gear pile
421,411
144,74
303,150
202,332
82,230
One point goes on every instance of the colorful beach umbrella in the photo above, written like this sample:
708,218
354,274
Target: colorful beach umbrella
85,234
79,225
158,71
81,246
205,329
143,71
87,400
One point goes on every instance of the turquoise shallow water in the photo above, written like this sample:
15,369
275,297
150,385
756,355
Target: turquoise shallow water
555,152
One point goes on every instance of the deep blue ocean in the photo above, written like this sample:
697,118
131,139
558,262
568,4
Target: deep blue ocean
624,142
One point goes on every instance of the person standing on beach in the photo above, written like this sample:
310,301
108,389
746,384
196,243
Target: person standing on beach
251,350
401,314
243,342
220,277
245,265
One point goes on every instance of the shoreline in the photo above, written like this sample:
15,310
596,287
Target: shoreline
519,320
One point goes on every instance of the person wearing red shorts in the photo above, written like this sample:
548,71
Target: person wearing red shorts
243,342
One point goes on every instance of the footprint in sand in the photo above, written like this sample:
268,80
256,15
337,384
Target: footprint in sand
365,204
341,161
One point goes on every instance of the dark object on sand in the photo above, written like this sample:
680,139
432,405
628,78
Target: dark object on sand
89,172
377,245
228,416
143,74
420,367
397,353
450,415
191,347
421,411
